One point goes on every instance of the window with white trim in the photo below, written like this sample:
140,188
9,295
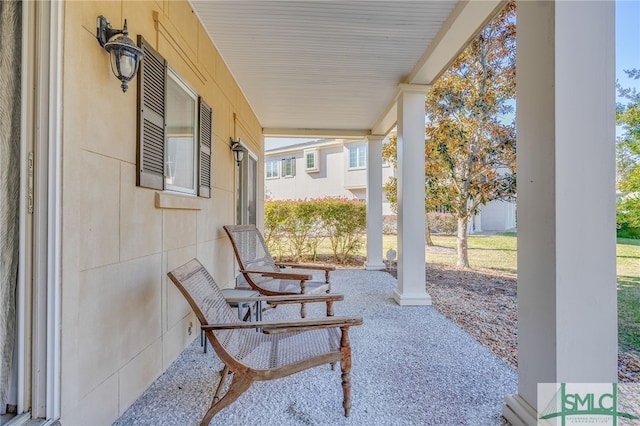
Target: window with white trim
311,162
175,128
271,169
181,131
358,157
289,167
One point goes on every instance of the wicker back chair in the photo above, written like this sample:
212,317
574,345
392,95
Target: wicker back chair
268,277
279,350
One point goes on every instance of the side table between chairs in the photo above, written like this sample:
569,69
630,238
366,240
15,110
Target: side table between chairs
254,309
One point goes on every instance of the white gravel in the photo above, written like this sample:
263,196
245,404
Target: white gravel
411,366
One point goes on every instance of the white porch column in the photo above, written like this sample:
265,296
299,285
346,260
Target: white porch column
411,288
567,319
374,203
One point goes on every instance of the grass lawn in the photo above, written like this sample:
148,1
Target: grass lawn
628,271
498,252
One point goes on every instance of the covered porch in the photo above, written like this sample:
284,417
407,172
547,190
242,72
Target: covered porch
411,365
565,150
93,300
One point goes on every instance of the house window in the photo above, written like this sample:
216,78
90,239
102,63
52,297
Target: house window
288,167
357,157
271,168
311,160
174,130
181,135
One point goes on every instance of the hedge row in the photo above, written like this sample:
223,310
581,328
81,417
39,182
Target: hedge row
626,231
439,223
295,228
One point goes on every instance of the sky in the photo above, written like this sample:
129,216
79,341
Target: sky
627,55
273,143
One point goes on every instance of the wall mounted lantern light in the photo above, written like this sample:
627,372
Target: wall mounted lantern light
238,150
125,55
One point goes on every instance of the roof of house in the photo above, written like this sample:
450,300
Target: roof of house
319,143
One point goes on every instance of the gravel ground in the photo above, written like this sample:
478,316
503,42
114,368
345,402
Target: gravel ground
411,366
483,303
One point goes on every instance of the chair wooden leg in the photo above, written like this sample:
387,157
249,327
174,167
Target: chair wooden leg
345,364
303,307
239,384
330,314
223,379
326,278
330,308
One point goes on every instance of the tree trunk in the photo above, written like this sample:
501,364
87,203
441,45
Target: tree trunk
427,234
463,256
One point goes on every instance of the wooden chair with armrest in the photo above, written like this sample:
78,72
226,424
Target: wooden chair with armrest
281,348
267,276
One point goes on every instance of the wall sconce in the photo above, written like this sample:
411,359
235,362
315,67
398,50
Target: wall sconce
238,150
125,55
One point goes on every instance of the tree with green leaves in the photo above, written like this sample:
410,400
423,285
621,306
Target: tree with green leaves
432,188
470,156
628,156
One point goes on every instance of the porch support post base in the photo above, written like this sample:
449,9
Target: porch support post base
374,266
518,411
412,299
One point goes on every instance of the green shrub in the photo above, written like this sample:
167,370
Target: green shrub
275,216
628,214
442,223
295,228
292,228
302,228
626,231
345,222
390,224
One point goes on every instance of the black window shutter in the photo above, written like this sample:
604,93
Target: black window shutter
152,81
204,139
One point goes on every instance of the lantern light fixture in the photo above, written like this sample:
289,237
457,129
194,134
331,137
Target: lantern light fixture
125,55
238,150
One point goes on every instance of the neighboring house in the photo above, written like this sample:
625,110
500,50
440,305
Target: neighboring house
321,168
495,216
338,168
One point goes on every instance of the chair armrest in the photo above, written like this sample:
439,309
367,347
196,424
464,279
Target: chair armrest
293,298
298,325
307,266
280,275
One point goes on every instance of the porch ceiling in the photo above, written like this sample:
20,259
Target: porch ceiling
332,68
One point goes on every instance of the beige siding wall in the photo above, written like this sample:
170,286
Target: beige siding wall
123,323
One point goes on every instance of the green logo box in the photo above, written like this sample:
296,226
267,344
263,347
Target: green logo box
588,404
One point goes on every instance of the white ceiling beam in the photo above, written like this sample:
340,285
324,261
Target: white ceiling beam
387,120
464,23
316,133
